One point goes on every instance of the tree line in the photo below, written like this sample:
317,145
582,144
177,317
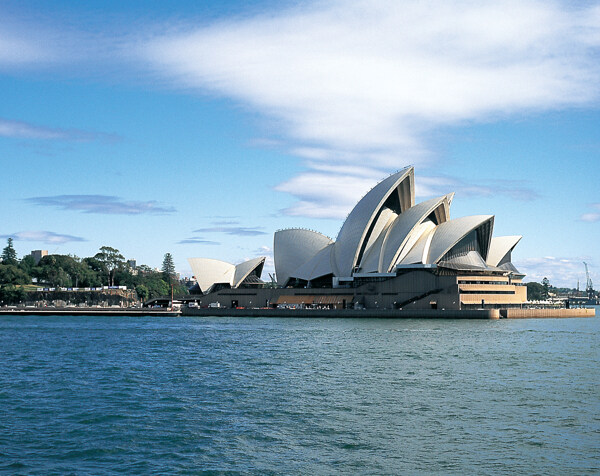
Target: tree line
108,267
541,291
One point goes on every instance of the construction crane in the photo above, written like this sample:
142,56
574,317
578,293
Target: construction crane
589,286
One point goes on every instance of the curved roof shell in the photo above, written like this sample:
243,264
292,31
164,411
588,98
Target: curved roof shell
448,234
318,266
242,270
213,271
399,233
419,251
210,271
395,192
500,248
370,258
293,248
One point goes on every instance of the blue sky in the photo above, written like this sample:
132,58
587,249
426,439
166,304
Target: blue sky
200,128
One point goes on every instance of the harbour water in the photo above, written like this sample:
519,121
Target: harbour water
164,395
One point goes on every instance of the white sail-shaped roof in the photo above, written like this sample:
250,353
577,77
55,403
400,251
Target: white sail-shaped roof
399,233
397,191
448,234
500,247
210,271
293,248
370,258
242,270
318,266
419,251
213,271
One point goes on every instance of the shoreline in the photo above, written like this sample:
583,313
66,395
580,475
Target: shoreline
486,314
395,313
93,311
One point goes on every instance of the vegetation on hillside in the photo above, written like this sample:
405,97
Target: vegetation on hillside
106,268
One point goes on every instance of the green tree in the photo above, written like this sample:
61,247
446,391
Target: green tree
27,264
157,286
535,291
9,255
168,268
51,270
144,269
143,292
123,277
11,294
94,271
10,274
546,287
111,260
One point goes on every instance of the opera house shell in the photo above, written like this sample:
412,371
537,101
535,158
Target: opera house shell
387,232
212,274
390,253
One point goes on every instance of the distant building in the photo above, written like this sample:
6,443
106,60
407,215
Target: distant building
38,255
132,265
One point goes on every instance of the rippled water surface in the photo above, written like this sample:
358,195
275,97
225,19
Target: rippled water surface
101,395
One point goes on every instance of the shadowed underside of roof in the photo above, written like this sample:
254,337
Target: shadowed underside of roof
472,260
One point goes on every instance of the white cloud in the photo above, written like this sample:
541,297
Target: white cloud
428,186
54,41
357,83
593,216
315,189
332,190
16,50
24,130
561,271
48,237
102,204
351,87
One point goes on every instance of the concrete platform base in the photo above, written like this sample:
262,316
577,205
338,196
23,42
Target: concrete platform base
545,313
348,313
394,313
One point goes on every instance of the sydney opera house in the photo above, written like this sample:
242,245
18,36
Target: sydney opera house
390,253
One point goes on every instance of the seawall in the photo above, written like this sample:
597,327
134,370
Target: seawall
546,313
87,311
394,313
347,313
310,313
